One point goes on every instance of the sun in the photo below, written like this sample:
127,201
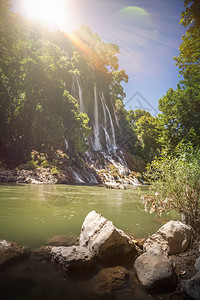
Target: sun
55,12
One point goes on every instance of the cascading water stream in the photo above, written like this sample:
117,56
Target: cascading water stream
73,90
107,137
116,119
114,146
80,94
97,143
107,121
104,110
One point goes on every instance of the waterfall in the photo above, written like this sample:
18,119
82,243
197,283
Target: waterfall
107,137
66,144
80,94
77,176
73,90
108,140
107,126
97,143
104,110
114,146
116,119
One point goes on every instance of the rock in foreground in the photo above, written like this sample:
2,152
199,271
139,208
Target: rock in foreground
99,240
172,238
108,280
104,240
155,272
10,250
191,287
197,264
73,257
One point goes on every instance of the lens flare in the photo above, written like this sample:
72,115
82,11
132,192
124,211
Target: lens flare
55,12
136,16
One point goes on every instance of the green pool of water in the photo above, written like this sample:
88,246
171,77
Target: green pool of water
30,214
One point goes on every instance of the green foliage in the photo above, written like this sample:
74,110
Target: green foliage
189,58
37,68
54,170
180,118
36,110
191,15
128,138
147,130
41,160
141,132
45,164
31,164
116,89
175,184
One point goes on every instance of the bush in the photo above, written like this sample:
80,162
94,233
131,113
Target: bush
45,164
54,170
175,184
31,164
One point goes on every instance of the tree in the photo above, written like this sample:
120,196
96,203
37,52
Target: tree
147,130
191,15
175,185
140,130
180,108
128,137
36,110
180,118
116,89
189,58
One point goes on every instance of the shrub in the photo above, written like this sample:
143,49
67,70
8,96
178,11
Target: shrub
31,164
175,184
44,164
54,170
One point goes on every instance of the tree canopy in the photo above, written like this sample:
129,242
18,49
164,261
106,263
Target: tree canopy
180,108
37,68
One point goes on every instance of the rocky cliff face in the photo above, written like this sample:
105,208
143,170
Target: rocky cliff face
99,167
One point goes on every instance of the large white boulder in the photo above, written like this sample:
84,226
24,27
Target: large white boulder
99,240
104,240
172,238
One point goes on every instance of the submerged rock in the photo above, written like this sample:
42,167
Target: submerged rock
155,272
191,287
104,240
172,238
62,240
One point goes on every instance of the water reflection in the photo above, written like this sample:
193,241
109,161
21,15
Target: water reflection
58,198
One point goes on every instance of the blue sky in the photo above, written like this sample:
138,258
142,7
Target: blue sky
148,34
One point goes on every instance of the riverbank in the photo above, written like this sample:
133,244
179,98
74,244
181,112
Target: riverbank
35,275
112,170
